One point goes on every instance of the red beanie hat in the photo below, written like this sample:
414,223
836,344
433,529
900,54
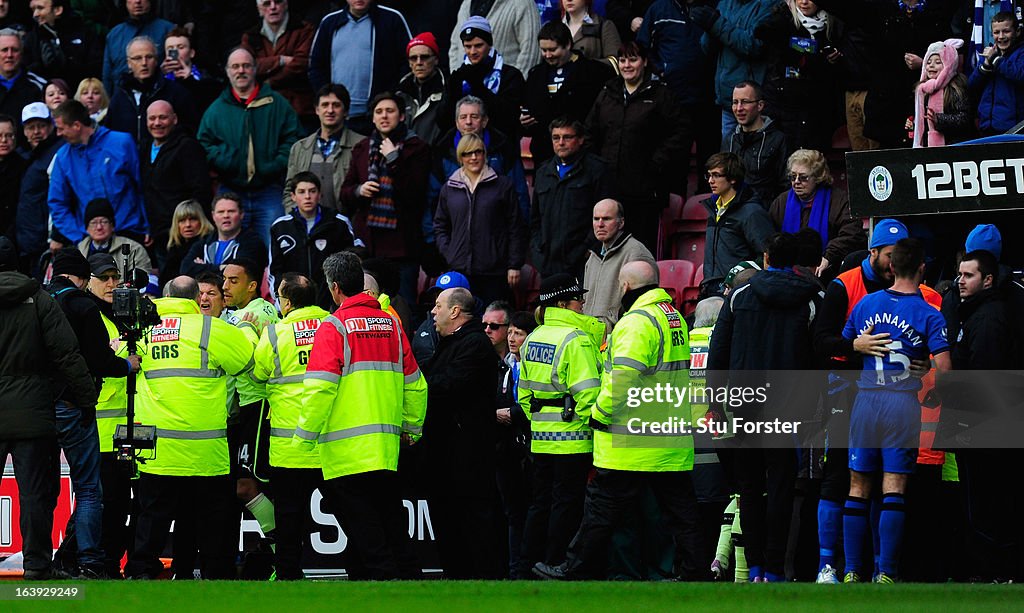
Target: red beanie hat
425,38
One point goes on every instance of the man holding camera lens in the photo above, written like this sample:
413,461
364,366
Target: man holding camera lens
83,552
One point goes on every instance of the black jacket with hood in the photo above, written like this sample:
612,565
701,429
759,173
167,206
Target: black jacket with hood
764,155
740,234
40,359
765,330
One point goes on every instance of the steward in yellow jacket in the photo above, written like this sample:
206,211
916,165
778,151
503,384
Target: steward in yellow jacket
641,438
183,393
281,357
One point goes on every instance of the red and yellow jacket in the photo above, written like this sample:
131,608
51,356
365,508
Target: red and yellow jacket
363,391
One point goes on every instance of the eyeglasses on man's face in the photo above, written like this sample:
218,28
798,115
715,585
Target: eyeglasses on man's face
490,325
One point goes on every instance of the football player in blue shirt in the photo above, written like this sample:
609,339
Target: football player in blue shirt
885,424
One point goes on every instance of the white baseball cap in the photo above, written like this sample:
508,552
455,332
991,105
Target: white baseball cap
34,110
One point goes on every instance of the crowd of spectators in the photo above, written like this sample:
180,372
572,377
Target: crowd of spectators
280,132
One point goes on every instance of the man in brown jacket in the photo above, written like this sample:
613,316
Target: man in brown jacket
281,44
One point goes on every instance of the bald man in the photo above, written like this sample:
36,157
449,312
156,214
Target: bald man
173,168
248,132
650,348
601,274
458,438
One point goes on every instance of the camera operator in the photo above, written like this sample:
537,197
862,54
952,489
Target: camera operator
83,553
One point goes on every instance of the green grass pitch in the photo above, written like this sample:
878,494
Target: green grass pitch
532,597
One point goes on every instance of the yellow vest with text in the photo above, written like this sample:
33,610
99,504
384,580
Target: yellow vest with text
182,391
112,404
649,349
561,358
281,357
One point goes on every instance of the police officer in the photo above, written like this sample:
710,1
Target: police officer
648,347
184,394
559,379
364,394
281,357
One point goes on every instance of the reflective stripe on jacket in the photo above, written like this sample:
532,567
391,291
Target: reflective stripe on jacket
363,390
281,357
183,392
112,404
648,349
561,358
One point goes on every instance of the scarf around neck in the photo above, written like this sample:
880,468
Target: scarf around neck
493,80
814,23
818,218
383,212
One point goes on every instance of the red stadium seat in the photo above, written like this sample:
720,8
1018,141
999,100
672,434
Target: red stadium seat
524,153
421,283
669,218
690,294
694,217
681,218
841,139
675,276
688,247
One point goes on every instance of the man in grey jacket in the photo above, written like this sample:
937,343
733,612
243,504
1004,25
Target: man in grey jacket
328,151
601,274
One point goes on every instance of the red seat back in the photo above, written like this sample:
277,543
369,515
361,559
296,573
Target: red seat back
675,276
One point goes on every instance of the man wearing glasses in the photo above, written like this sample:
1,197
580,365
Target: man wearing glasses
569,183
423,89
142,21
99,223
758,142
738,224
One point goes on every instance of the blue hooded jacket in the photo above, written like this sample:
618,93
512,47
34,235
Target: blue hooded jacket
741,55
105,167
1000,92
674,44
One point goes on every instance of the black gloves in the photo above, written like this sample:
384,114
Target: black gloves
704,16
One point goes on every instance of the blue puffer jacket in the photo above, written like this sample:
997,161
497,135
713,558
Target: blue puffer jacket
387,64
105,167
999,90
741,55
673,41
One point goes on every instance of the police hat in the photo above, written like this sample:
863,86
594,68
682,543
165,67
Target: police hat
100,263
560,286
